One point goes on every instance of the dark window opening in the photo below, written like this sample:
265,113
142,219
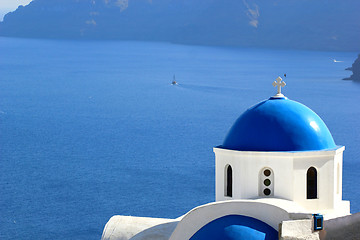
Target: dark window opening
267,182
229,181
311,184
267,191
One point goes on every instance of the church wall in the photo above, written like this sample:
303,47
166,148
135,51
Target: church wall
251,169
289,171
247,167
220,165
324,166
283,173
341,207
338,171
248,176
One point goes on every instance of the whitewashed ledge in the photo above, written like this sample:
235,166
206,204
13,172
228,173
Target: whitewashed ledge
138,228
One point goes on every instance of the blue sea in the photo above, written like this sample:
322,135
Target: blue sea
90,129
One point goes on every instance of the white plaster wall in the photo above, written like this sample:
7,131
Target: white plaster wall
338,179
325,163
290,176
298,229
138,228
246,168
323,166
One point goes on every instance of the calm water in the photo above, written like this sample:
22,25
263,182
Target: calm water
93,129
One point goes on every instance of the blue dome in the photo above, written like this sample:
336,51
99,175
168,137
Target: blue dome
279,124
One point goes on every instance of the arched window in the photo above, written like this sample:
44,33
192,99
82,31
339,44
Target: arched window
311,183
228,181
266,182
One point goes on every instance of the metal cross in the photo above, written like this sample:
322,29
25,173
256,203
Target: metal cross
279,83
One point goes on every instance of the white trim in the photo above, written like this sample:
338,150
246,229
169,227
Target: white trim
302,154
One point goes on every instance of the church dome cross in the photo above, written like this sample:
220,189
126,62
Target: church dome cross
279,83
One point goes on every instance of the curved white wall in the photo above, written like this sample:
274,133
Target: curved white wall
136,228
270,211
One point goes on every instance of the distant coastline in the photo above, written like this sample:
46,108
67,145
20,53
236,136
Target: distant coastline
269,24
355,68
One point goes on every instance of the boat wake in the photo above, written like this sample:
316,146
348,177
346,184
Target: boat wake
208,89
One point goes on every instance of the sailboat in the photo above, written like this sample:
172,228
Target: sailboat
174,81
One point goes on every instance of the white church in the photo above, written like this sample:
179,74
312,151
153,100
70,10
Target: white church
278,176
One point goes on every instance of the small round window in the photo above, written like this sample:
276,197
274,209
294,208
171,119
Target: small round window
267,191
267,182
